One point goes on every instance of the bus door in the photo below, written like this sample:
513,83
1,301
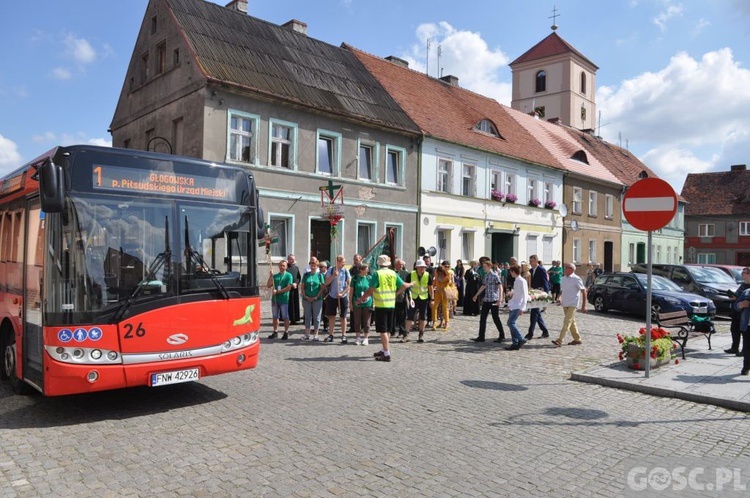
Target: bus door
33,345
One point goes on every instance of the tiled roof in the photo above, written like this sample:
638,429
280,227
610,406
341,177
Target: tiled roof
450,113
621,162
717,194
240,50
557,140
550,46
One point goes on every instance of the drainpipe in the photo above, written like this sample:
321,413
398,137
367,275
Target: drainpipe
418,190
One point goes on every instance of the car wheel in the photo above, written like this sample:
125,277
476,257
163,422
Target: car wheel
599,304
9,363
655,310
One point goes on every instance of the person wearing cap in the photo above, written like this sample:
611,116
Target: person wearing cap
420,296
384,286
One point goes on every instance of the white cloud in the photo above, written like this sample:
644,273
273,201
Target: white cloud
689,117
463,54
44,138
61,73
103,142
10,159
79,49
663,17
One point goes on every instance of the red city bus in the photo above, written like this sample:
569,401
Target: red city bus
123,268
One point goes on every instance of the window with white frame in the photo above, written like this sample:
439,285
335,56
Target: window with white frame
445,167
468,180
677,258
592,250
394,174
510,184
531,244
532,189
467,245
282,149
496,181
546,250
242,144
669,255
281,226
549,192
365,234
706,258
329,152
577,200
592,203
744,228
365,171
577,251
609,206
706,230
631,253
658,254
398,237
443,240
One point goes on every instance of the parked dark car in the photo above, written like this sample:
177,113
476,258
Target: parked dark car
733,271
626,292
697,279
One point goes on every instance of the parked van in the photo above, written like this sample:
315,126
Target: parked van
706,281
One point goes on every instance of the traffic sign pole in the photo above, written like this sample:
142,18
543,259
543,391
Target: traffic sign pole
648,309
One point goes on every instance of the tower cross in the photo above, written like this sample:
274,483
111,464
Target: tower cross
554,17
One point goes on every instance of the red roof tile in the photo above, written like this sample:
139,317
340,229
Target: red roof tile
717,194
450,113
550,46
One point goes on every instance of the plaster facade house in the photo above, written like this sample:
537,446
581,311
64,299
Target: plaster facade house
213,82
471,147
667,243
717,217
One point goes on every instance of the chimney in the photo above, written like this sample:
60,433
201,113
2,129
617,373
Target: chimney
238,5
397,61
450,79
296,25
738,167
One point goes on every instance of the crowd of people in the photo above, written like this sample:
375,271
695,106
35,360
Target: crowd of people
397,301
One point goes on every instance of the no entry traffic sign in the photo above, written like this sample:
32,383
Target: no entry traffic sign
649,204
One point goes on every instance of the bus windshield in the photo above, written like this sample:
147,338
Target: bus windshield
108,252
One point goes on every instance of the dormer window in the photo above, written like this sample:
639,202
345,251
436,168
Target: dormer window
486,126
580,156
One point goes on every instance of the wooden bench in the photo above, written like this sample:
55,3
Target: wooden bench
680,320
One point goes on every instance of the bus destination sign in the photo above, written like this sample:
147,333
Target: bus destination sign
159,182
135,180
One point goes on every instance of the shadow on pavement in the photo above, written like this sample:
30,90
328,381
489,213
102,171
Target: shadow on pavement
495,386
38,411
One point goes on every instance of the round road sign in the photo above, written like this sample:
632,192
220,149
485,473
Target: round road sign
649,204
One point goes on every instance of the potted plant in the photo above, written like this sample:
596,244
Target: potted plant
512,198
634,348
496,195
550,204
534,202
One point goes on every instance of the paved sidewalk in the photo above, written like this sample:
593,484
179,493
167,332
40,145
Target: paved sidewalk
704,376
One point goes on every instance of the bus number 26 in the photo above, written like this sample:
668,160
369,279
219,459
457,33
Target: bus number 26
138,332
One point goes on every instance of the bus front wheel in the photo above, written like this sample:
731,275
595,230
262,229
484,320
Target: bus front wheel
8,341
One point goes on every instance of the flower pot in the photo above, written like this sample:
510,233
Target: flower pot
635,358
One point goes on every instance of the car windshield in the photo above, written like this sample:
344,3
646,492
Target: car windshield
658,283
736,274
706,275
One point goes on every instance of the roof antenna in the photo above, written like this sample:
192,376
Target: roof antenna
427,67
554,17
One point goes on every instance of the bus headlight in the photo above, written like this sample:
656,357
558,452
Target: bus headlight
96,354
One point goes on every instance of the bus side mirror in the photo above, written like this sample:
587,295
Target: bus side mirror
51,187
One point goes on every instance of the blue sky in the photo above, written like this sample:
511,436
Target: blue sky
673,83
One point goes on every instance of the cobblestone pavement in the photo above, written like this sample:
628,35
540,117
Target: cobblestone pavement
445,418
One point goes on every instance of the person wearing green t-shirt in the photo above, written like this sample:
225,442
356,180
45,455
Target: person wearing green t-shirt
313,290
555,273
361,310
281,283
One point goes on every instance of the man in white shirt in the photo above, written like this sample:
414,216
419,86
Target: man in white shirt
570,288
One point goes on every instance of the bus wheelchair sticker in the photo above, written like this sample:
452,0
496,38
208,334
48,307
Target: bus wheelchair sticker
65,335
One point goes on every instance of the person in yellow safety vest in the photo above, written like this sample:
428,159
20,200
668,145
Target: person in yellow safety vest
385,285
420,297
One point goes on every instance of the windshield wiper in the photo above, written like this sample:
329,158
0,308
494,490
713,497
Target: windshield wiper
195,256
153,268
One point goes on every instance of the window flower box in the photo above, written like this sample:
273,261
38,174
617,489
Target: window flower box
550,205
535,202
512,198
496,195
